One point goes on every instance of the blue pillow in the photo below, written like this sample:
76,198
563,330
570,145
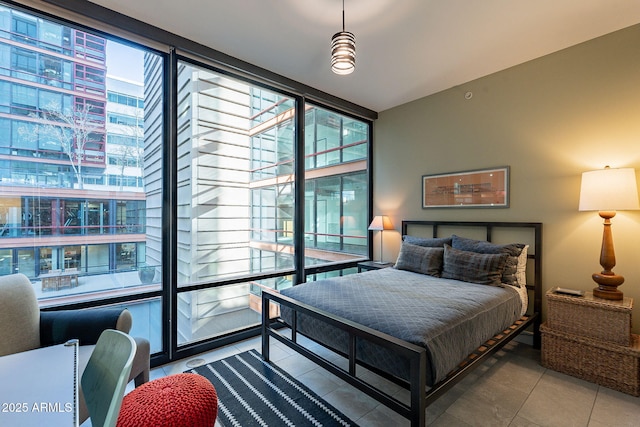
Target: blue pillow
485,269
420,259
512,250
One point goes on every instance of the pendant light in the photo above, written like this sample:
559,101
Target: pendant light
343,50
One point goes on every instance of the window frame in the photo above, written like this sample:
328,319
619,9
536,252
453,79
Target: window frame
98,20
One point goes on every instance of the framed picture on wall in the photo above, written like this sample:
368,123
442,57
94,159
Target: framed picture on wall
482,188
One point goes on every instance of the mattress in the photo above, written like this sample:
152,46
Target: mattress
449,318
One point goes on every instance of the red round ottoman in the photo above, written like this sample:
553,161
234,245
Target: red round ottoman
188,400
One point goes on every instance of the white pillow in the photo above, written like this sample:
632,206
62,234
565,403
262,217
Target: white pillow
521,268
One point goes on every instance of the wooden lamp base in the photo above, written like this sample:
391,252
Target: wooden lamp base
608,286
607,280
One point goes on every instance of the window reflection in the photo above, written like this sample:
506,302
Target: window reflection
63,206
92,202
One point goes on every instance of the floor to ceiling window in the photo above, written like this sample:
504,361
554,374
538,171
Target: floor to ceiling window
266,189
236,197
76,233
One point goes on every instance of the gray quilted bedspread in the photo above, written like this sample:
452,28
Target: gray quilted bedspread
447,317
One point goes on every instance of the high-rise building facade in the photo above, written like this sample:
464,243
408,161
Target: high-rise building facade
52,142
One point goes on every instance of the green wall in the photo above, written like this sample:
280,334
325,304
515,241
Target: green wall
549,119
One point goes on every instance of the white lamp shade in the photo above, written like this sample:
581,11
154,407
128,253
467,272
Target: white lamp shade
609,190
381,222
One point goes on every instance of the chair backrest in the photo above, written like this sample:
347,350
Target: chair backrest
19,315
106,375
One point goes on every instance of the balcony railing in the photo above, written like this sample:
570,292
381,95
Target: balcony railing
8,230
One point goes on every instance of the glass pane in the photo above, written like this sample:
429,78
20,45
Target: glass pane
5,262
64,210
336,187
235,166
354,213
215,311
146,321
26,261
235,197
146,324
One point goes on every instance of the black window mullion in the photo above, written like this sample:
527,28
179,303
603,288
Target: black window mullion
169,210
314,165
341,204
341,151
299,169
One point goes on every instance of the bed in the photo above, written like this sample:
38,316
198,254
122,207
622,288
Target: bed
454,297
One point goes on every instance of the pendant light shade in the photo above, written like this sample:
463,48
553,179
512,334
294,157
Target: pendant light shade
343,53
343,50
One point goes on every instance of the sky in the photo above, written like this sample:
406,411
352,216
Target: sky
125,62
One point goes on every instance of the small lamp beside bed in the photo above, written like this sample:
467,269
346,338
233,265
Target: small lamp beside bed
380,223
607,191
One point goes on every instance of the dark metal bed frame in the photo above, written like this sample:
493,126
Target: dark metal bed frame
416,355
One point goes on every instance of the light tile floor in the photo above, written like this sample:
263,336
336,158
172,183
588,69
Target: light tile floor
510,389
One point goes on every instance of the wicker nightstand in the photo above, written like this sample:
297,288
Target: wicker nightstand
590,338
372,265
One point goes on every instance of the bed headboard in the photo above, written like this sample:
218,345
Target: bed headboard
498,232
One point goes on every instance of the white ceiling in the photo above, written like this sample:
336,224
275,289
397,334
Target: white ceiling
406,49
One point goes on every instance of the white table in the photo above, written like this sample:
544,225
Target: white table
40,387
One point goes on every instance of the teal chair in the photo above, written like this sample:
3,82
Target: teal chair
105,378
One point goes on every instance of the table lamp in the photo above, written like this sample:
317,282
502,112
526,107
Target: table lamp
608,190
380,223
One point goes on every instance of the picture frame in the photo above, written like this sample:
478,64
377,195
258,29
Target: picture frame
481,188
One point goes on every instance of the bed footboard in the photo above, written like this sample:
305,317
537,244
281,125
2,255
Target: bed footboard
415,355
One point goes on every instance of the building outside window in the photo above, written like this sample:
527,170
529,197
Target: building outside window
63,208
237,169
82,182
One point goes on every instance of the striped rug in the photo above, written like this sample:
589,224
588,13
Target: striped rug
254,393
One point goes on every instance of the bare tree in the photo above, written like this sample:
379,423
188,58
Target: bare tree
125,154
72,129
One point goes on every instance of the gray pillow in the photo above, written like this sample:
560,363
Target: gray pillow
512,250
485,269
434,242
420,259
